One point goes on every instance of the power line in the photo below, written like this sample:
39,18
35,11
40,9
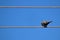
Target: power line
29,6
28,27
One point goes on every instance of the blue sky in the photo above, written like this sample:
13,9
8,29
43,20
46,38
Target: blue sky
29,17
29,2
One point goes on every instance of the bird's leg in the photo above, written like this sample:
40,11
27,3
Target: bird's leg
45,26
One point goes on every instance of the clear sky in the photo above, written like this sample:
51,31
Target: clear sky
29,17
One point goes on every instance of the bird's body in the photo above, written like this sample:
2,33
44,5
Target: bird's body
45,23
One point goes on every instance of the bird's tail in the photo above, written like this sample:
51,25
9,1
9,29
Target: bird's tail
49,22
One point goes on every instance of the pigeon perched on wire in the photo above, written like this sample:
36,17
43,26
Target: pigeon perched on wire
45,23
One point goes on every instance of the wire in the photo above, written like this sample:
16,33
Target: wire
28,27
29,6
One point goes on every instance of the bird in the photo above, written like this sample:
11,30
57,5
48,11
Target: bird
45,23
